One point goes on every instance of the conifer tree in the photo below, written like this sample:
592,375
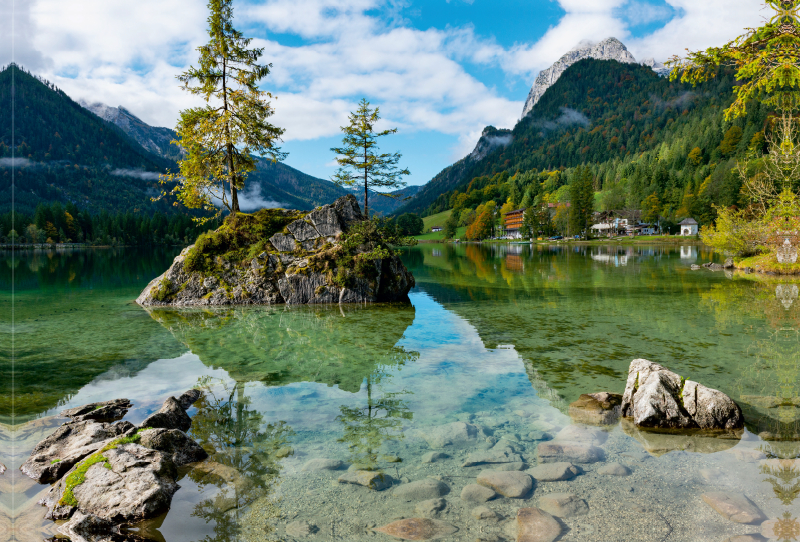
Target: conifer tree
361,165
581,200
221,137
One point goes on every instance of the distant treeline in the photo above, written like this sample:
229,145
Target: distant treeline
55,223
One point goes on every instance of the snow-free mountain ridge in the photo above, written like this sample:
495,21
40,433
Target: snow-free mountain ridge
608,49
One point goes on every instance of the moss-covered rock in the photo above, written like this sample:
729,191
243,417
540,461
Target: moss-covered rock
273,256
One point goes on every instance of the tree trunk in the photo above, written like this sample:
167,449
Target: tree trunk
229,146
366,191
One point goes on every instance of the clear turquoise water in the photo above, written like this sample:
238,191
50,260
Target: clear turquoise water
504,337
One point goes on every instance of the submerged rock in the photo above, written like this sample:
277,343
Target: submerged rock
477,493
657,397
734,506
505,455
421,490
614,469
554,472
322,464
451,434
563,505
600,408
569,452
278,256
367,478
418,529
535,525
512,484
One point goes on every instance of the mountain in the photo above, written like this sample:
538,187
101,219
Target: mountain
62,152
272,184
640,133
608,49
154,139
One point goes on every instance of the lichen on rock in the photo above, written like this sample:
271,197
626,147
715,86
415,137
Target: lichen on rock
273,256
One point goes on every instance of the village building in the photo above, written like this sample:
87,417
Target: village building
513,224
616,223
436,228
688,226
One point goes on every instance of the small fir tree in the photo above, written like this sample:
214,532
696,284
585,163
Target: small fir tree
581,200
361,164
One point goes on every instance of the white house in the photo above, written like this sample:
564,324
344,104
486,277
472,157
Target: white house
688,226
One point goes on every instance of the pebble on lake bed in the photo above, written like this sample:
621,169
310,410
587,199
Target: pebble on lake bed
554,472
421,490
535,525
418,529
322,464
614,469
734,506
512,484
563,505
367,478
484,513
477,493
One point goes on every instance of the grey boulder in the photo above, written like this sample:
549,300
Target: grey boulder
69,444
106,411
421,490
130,483
170,416
656,397
174,443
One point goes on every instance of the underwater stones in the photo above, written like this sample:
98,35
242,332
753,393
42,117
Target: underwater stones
367,478
451,434
581,434
477,493
170,416
601,408
734,506
563,505
105,411
656,397
322,464
554,472
283,243
511,484
614,469
536,525
302,230
326,221
173,442
433,457
132,484
300,529
421,490
505,455
67,445
568,452
430,507
484,513
418,529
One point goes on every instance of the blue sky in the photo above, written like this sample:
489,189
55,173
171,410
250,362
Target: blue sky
440,70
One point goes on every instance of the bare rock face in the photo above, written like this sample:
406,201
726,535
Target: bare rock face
170,416
303,261
658,398
608,49
106,411
188,398
132,483
69,444
173,442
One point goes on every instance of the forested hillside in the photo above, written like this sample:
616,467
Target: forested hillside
649,142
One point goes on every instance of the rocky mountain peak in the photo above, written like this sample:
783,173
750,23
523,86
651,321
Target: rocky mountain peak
608,49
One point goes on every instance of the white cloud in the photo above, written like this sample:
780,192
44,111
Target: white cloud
128,52
15,162
136,174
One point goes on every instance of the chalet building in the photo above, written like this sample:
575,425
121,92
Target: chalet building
688,226
615,223
436,228
513,223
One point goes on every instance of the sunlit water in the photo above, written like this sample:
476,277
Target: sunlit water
502,337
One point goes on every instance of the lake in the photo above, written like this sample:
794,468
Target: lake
498,339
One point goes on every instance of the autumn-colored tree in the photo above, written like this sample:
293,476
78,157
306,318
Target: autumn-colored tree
696,156
221,137
651,209
481,228
360,163
731,140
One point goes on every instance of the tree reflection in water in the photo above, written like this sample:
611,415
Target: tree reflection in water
367,427
244,463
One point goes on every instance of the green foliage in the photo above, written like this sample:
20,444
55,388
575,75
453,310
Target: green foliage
731,140
451,226
360,163
220,139
240,238
766,60
581,190
409,224
164,291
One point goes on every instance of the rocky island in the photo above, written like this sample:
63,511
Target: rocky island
274,256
